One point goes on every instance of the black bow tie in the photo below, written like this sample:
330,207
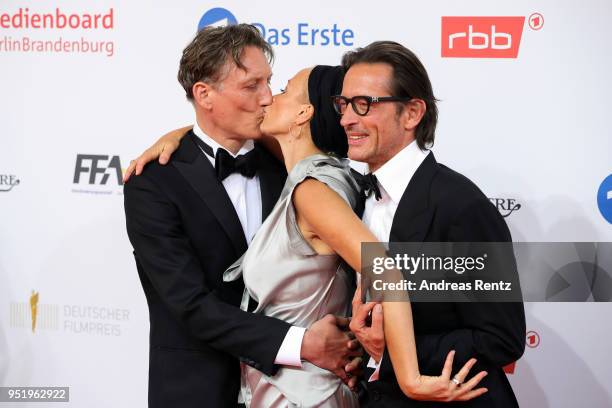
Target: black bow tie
245,164
369,184
226,164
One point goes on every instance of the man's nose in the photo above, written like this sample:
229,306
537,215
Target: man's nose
349,117
266,98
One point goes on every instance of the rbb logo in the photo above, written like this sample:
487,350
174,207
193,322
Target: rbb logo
481,37
94,165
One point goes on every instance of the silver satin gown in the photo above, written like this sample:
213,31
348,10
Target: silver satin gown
291,282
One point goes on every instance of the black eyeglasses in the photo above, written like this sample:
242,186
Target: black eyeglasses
361,103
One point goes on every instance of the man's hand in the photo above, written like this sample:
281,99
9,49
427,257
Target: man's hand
328,346
371,337
354,371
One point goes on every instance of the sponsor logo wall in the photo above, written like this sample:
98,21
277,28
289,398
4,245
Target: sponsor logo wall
88,85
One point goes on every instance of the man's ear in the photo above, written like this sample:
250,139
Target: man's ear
305,113
413,113
202,94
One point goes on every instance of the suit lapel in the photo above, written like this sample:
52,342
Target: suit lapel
200,174
362,198
272,176
413,216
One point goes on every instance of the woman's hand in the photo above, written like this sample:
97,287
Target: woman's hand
443,387
163,148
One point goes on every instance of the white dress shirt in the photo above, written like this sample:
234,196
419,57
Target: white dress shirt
245,194
393,178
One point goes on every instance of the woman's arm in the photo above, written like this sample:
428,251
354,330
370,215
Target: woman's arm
331,219
168,143
163,148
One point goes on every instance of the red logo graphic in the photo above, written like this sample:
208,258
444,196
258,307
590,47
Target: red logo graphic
481,37
24,18
509,369
533,339
536,21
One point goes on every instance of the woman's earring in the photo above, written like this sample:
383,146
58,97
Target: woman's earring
291,132
293,138
299,134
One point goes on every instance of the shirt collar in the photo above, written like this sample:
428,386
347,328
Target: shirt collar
247,147
404,163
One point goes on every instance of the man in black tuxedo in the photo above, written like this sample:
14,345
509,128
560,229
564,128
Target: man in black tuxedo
190,220
415,199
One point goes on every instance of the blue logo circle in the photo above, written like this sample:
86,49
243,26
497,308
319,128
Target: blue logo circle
604,198
217,17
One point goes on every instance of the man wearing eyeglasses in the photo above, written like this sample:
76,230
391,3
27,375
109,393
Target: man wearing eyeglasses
389,113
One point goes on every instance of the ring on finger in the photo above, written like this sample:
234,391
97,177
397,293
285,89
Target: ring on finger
456,381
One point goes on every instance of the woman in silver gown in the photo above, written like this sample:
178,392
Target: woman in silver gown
290,275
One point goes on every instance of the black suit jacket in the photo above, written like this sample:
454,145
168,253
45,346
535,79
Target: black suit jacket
185,233
441,205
